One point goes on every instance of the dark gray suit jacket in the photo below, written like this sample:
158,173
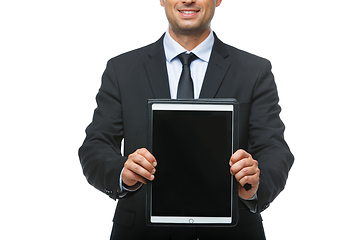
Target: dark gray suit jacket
132,78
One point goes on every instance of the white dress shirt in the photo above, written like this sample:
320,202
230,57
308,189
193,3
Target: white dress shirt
198,67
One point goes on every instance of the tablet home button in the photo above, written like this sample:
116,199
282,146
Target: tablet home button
191,220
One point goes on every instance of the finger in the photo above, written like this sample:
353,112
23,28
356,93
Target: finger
253,179
144,158
246,171
243,163
149,157
140,166
238,155
142,162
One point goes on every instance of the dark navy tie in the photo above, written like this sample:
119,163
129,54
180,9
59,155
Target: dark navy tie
186,87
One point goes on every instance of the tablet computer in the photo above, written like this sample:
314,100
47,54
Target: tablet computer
192,141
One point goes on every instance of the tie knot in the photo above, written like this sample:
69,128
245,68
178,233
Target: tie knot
186,59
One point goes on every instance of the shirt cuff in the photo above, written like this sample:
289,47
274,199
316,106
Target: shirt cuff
124,190
251,203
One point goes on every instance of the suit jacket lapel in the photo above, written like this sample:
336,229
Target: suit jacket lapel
156,70
219,64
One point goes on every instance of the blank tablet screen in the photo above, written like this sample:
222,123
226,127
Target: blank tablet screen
193,148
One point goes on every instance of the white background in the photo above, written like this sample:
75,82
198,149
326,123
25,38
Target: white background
52,56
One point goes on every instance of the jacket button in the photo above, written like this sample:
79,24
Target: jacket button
108,192
266,206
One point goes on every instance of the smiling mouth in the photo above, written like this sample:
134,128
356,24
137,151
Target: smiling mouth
188,12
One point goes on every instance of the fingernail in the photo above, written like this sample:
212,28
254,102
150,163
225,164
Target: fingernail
152,177
153,171
154,164
231,163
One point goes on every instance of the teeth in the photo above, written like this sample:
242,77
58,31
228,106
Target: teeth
188,12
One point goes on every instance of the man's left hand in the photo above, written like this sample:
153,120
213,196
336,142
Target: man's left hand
245,169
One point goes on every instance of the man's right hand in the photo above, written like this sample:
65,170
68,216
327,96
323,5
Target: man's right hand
139,167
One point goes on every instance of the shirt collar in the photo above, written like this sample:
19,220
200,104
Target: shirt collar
202,51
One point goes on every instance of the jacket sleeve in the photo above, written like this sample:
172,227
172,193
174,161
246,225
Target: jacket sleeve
266,138
100,155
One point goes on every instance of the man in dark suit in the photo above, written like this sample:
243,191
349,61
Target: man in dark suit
220,71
